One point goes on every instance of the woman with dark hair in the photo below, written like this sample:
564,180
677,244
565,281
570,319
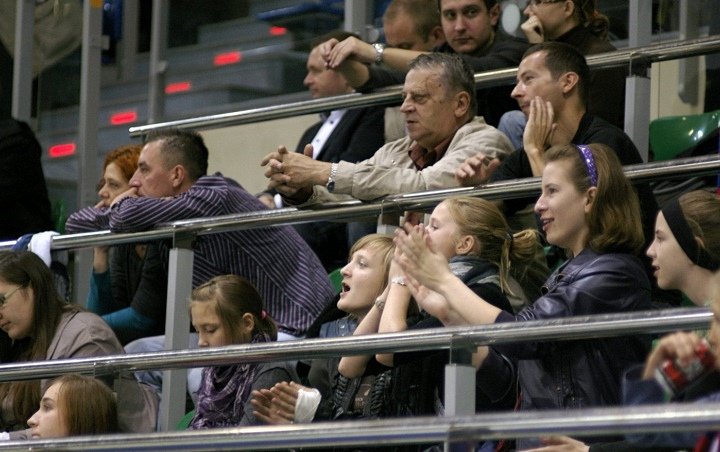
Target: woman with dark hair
229,310
40,326
589,208
75,405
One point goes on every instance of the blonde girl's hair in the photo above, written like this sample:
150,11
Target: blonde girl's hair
702,213
234,296
495,241
380,243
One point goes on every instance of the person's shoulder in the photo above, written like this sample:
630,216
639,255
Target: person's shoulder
600,131
609,261
508,45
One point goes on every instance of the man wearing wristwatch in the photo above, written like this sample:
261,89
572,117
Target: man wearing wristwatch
470,28
439,108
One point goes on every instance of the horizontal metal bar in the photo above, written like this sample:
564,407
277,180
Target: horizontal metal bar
695,166
417,430
570,328
649,54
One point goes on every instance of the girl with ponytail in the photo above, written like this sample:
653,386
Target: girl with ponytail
228,310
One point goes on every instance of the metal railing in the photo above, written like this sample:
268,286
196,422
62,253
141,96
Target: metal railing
563,329
696,166
419,430
633,58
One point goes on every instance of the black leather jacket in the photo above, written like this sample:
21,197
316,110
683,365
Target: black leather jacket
582,373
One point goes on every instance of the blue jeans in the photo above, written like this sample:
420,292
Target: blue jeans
512,124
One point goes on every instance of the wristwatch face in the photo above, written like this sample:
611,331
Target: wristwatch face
379,49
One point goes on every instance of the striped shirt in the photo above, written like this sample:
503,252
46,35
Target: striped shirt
284,269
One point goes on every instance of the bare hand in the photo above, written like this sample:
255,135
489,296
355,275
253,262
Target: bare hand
294,169
132,192
350,48
476,170
417,258
540,127
677,346
277,404
560,444
533,30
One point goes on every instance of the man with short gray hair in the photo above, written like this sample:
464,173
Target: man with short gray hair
439,107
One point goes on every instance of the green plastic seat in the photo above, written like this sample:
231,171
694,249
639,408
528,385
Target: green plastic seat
336,279
184,423
671,135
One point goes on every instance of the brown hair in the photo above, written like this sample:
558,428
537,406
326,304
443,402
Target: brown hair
380,243
27,270
235,296
614,217
702,213
126,158
87,405
424,13
495,242
588,16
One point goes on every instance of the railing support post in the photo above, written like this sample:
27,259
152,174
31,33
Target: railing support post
459,388
177,326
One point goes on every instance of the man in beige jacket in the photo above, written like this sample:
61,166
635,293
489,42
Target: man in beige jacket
439,107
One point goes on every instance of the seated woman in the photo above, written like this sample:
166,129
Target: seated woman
686,256
40,327
589,208
229,310
128,284
75,405
365,278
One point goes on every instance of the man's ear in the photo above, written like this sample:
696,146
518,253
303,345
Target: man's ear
462,104
178,175
494,14
569,81
436,36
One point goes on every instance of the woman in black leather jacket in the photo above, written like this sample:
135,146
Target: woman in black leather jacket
589,208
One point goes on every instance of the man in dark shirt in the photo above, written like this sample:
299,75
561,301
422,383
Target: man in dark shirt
552,90
23,193
470,28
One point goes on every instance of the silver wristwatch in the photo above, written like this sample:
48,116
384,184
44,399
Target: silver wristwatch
331,179
379,49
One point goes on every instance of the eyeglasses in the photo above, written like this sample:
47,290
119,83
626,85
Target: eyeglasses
4,297
536,3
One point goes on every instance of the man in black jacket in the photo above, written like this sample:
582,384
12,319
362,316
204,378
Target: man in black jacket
23,193
351,135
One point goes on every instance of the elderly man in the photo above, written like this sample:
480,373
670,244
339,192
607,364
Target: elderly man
439,108
470,28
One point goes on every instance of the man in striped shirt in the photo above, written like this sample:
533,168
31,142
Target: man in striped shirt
171,184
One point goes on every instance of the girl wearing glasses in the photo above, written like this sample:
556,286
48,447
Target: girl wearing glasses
589,208
36,325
